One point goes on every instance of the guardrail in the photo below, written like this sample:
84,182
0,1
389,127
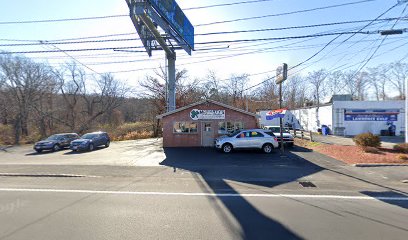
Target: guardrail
308,135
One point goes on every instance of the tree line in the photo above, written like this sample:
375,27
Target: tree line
37,99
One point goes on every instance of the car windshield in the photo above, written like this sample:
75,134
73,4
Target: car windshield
55,137
233,133
277,129
89,136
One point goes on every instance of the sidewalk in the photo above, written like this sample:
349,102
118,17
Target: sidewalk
386,141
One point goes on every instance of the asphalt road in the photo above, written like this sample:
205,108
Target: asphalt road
197,193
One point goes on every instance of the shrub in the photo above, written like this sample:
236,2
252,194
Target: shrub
402,147
402,157
370,150
6,134
367,140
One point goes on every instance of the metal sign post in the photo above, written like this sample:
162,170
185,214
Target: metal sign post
281,76
147,16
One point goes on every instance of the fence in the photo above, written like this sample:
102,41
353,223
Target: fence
308,135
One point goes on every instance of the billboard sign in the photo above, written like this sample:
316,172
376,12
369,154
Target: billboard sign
281,73
278,113
385,115
175,17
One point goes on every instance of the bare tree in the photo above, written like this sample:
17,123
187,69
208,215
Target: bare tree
24,80
317,81
399,74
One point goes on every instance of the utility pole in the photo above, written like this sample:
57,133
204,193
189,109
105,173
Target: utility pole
281,76
393,32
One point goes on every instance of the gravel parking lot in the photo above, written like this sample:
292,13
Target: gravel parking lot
146,152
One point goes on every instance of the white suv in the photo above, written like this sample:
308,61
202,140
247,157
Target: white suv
247,139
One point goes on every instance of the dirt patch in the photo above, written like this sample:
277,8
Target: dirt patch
354,155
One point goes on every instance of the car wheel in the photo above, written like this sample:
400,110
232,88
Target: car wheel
227,148
56,148
107,144
38,150
91,147
267,148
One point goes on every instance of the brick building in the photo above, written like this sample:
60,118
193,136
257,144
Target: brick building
198,124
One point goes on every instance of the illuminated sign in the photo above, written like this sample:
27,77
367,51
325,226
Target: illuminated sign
175,17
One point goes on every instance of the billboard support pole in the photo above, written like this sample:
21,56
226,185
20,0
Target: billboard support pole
171,77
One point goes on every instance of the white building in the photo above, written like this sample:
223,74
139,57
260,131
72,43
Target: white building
345,117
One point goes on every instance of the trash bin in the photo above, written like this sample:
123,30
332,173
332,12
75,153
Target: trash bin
325,131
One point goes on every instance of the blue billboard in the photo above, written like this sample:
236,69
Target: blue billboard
385,115
175,17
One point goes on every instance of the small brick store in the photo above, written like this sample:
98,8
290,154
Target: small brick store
198,124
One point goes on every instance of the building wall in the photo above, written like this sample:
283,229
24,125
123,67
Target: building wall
333,116
171,139
309,120
356,127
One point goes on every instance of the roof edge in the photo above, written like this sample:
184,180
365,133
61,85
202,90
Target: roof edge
204,101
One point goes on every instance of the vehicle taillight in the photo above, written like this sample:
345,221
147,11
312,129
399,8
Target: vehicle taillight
276,139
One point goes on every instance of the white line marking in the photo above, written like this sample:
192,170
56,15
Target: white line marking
342,197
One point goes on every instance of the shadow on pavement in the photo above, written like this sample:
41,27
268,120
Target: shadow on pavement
255,168
45,152
390,197
82,152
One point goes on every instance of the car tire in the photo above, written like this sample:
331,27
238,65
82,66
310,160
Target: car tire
56,148
38,151
227,148
267,148
91,147
107,144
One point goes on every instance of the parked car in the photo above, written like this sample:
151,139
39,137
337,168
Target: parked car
90,141
287,137
55,142
247,139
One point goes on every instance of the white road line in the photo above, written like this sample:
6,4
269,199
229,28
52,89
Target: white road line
304,196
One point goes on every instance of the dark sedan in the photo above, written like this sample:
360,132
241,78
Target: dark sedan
90,141
55,142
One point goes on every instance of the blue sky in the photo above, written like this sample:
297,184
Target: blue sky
237,59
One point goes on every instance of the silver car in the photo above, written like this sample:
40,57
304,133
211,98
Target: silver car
247,139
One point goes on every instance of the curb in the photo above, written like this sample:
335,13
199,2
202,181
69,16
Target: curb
379,165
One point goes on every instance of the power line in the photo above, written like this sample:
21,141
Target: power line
331,41
226,4
202,43
205,24
215,33
285,13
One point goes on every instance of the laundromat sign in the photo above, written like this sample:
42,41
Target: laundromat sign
371,115
197,114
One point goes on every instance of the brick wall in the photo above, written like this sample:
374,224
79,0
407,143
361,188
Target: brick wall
171,139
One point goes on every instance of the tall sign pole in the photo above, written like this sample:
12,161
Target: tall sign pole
281,76
147,16
406,111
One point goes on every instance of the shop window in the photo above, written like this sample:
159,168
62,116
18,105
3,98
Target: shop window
229,127
207,127
185,127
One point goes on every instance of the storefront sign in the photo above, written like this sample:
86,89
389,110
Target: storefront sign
371,115
278,113
197,114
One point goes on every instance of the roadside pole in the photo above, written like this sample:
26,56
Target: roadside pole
406,111
281,76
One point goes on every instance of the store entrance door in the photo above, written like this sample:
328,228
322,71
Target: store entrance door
207,134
